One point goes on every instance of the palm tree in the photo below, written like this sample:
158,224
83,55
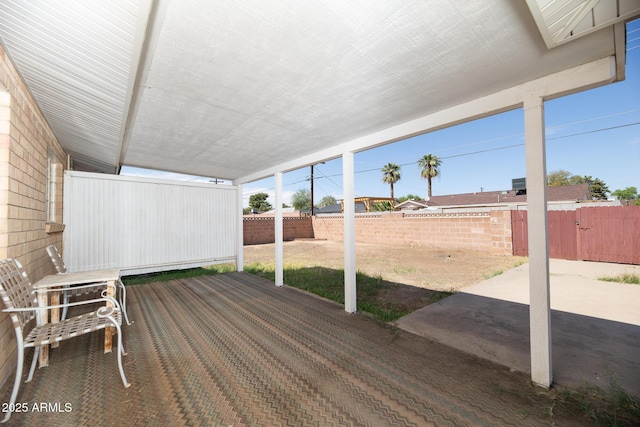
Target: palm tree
430,165
391,175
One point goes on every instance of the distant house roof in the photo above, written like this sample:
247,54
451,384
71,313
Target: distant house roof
565,193
337,208
369,202
411,205
569,192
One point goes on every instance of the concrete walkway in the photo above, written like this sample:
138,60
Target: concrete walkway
595,324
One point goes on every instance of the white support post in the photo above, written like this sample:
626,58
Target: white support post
279,235
239,231
349,233
539,308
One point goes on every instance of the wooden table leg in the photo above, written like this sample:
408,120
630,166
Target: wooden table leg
109,330
55,313
43,301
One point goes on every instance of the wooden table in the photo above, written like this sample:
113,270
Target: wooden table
58,281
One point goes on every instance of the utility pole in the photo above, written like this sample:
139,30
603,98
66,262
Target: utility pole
311,179
311,190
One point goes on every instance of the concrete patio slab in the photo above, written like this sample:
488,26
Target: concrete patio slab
595,324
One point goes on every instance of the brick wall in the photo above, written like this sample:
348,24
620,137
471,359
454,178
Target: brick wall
26,145
261,229
482,231
475,230
501,232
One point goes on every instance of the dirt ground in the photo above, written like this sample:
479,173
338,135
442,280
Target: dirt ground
430,268
418,271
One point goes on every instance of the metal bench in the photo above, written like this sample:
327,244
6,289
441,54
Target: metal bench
21,303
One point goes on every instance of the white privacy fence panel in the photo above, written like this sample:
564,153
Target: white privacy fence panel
145,225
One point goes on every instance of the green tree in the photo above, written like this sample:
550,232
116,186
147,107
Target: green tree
259,202
381,207
409,197
562,177
301,199
391,175
558,178
597,187
629,193
326,201
430,165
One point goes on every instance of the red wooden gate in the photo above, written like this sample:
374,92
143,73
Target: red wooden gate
608,234
519,237
563,242
562,234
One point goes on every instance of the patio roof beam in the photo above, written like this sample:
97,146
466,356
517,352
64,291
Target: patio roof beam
577,79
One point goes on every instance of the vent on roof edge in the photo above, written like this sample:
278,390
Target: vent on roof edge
519,185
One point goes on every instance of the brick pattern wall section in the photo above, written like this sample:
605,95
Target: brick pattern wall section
25,141
481,231
501,233
259,230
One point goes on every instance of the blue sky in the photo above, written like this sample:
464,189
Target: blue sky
596,133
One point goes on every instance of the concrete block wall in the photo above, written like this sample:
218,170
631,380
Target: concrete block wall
258,230
26,141
501,232
483,231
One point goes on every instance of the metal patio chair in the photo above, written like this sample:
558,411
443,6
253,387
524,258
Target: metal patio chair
58,262
21,303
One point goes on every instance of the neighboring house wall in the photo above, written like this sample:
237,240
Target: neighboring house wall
484,231
259,230
26,144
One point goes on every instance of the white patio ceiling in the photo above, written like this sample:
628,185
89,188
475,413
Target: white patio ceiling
234,89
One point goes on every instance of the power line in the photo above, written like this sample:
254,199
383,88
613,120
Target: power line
520,135
593,119
330,180
328,177
511,146
596,130
482,151
548,139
